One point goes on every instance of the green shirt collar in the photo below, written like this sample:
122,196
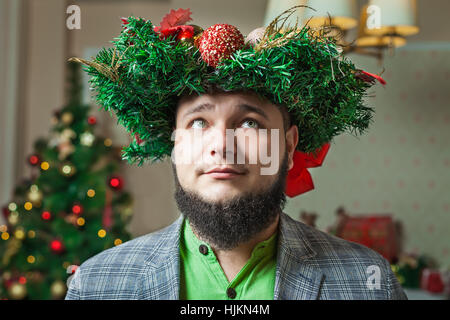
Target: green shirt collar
263,248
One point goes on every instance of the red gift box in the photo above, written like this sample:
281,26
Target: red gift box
431,281
375,231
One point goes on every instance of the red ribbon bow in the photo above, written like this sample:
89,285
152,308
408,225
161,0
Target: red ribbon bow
299,179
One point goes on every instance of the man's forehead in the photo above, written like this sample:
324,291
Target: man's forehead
189,102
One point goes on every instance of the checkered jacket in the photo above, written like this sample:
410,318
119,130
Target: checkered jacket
311,264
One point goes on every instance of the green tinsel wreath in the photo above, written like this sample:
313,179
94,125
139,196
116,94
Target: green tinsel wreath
143,76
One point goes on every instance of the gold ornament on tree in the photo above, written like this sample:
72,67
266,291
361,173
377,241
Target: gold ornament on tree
58,289
17,291
13,218
34,195
67,118
67,169
87,139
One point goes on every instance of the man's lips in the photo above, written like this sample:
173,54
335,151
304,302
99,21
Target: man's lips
224,173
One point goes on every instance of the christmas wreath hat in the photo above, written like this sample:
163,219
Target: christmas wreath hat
149,67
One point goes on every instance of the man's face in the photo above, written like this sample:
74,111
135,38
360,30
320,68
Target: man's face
228,209
201,144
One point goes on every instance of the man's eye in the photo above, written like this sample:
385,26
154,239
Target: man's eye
252,123
201,123
197,123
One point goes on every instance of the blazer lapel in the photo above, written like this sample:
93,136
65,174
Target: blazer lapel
161,279
296,278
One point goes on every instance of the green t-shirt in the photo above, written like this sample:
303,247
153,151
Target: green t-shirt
202,277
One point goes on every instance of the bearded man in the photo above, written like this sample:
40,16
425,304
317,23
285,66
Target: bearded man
227,104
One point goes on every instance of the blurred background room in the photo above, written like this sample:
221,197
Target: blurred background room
388,189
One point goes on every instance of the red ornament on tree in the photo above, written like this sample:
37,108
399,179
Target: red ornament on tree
219,42
77,209
92,120
56,246
116,183
46,215
34,160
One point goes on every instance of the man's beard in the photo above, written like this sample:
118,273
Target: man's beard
225,225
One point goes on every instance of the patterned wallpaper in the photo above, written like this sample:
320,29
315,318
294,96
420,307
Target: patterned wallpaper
401,166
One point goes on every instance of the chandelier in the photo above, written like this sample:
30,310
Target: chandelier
380,25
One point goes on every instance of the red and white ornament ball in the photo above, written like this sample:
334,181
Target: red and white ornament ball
219,42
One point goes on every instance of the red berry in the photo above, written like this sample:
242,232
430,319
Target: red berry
92,120
77,209
46,215
56,246
116,183
219,42
33,160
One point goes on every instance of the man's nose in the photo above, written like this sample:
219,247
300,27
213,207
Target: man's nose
222,142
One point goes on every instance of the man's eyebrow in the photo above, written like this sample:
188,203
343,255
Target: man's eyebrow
202,107
243,107
248,108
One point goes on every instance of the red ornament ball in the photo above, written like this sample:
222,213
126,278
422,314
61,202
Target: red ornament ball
77,209
56,246
219,42
92,120
46,215
116,182
34,160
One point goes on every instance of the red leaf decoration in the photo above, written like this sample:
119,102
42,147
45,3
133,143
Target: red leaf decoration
380,79
176,18
369,77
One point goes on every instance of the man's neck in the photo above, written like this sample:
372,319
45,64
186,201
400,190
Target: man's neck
232,261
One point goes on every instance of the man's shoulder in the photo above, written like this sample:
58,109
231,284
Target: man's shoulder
115,273
327,246
351,270
137,251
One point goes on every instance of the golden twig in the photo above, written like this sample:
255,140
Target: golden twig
273,29
108,71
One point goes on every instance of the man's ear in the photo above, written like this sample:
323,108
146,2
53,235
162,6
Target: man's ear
291,144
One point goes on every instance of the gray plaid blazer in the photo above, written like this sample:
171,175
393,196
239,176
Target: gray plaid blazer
311,264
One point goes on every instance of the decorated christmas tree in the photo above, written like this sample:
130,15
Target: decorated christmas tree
72,207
